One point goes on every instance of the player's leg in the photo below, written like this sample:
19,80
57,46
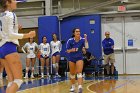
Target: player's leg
33,60
72,67
79,68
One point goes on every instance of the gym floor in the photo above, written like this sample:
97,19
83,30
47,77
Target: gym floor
121,84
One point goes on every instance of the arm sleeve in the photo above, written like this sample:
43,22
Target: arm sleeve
68,45
23,48
36,45
86,45
60,47
49,50
10,29
112,42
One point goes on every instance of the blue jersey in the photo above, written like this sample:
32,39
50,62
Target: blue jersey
107,44
71,43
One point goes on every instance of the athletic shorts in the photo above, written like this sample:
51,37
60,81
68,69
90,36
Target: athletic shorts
31,56
43,57
7,48
109,58
56,53
75,59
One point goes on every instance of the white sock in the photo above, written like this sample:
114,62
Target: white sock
42,74
26,74
1,75
73,86
32,74
57,73
47,73
79,86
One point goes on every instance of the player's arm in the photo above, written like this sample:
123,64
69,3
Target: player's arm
60,46
23,48
11,32
49,50
69,48
86,42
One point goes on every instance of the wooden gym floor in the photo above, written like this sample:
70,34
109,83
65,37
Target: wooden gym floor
121,84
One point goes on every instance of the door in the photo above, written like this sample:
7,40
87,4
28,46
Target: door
132,44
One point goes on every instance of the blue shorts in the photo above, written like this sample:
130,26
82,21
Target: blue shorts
56,53
43,57
7,48
75,59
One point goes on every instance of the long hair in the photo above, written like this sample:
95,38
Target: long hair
52,36
73,31
3,4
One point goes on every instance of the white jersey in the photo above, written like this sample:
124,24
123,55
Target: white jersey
45,49
30,49
55,47
9,28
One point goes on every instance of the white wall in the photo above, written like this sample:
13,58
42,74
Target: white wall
28,22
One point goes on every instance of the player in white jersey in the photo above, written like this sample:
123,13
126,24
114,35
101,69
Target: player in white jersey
8,51
31,49
56,47
45,52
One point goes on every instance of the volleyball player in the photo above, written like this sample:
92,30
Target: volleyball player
74,47
45,52
8,44
55,52
32,48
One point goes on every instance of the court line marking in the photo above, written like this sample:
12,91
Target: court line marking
90,85
119,86
42,86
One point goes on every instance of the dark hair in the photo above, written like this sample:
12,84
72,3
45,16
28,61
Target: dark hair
3,3
54,34
43,37
73,31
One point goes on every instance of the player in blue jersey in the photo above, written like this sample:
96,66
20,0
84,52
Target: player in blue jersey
8,45
74,47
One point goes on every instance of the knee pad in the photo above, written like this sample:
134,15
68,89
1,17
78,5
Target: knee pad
33,68
27,68
79,75
72,76
9,84
54,65
18,82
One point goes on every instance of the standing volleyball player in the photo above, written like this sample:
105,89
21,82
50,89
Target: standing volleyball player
31,47
45,52
8,45
74,46
55,52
